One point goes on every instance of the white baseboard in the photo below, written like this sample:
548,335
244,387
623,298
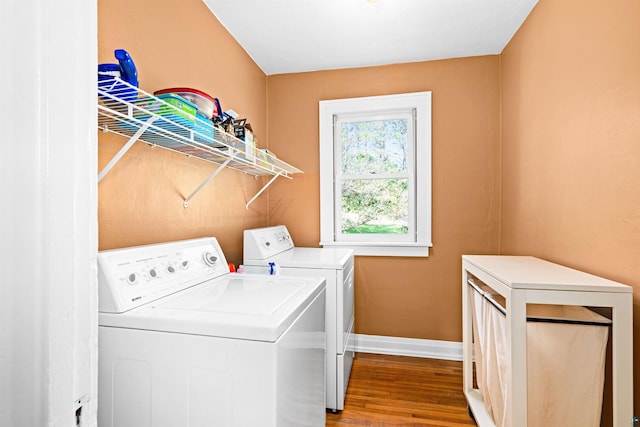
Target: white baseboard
397,346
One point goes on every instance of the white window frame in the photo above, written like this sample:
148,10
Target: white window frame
421,240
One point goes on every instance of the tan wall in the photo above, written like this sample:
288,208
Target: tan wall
178,43
571,140
403,297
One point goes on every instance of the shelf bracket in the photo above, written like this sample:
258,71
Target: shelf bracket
125,148
206,181
263,188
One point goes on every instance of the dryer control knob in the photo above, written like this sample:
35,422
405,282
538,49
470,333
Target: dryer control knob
210,259
132,279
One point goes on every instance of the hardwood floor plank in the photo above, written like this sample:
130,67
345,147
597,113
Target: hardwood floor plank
403,391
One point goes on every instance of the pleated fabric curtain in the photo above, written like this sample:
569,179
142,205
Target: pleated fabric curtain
565,362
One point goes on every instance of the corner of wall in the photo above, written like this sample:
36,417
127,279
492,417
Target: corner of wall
500,142
267,133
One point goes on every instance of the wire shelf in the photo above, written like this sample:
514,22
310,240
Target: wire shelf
133,113
130,112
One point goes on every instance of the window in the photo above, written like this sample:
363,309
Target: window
375,174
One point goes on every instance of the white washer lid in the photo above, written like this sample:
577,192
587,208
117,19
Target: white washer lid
242,306
328,258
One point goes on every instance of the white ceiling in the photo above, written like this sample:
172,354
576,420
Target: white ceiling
288,36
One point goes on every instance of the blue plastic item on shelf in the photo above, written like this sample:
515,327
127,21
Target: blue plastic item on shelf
203,131
177,116
124,70
127,67
173,107
178,120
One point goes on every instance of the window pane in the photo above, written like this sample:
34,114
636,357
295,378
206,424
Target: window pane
375,206
377,146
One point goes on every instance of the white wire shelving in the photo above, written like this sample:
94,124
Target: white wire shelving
139,116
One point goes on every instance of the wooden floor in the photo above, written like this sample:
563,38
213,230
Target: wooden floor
403,391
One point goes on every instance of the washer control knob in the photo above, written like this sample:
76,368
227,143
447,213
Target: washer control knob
171,269
132,278
153,273
184,264
210,259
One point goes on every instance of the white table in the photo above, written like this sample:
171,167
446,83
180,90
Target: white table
523,280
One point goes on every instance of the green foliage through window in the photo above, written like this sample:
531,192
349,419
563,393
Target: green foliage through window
375,188
378,146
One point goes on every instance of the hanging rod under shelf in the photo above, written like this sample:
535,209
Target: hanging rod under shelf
542,319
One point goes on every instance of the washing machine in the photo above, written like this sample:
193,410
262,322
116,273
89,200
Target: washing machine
272,249
184,342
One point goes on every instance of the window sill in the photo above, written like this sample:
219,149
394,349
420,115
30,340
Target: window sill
385,249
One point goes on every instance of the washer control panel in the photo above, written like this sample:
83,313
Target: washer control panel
262,243
131,277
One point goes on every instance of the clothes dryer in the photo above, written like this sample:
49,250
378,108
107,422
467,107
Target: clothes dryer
183,342
272,249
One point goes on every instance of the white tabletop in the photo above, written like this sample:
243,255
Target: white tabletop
526,272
